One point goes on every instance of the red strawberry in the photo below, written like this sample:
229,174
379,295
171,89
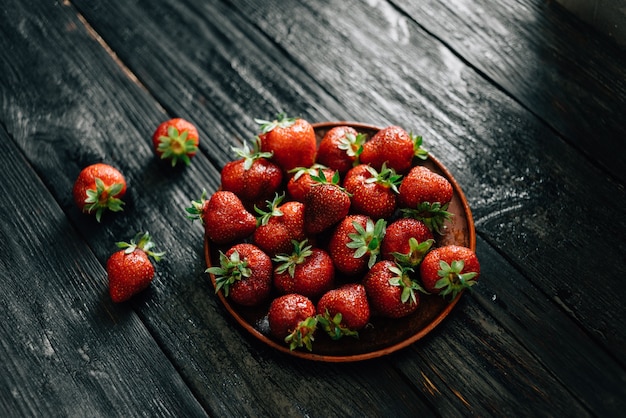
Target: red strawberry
425,195
300,184
99,187
449,269
343,311
292,319
279,226
224,217
244,274
308,271
407,240
373,193
130,270
340,148
394,146
291,140
390,290
355,244
326,204
176,140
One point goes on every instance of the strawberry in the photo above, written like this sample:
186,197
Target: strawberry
407,240
325,205
373,192
130,270
279,226
224,217
291,140
425,195
355,243
253,178
175,140
244,274
343,311
394,146
340,148
292,319
308,271
99,187
449,269
300,183
390,290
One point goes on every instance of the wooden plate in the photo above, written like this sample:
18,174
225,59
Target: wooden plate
384,336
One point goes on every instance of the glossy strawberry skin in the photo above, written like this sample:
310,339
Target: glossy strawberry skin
369,198
392,145
330,152
254,185
128,274
431,264
342,255
300,184
325,206
286,312
423,185
312,278
292,146
225,218
351,301
252,290
85,185
277,235
182,146
386,299
399,233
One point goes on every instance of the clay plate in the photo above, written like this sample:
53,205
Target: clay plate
385,335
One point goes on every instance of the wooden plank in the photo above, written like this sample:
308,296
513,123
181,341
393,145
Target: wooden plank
66,350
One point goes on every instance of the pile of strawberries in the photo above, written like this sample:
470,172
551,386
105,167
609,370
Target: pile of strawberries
333,234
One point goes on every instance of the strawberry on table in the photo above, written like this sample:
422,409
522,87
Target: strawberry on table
325,205
279,226
175,140
390,290
300,183
99,187
449,269
244,274
292,319
291,140
340,148
373,192
355,243
392,145
307,270
343,311
130,270
407,241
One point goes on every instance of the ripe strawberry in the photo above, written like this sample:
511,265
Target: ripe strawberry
300,183
343,311
224,217
292,319
390,290
129,269
308,271
253,178
355,243
340,148
407,240
175,140
425,195
326,204
244,274
373,193
291,140
394,146
449,269
279,226
99,187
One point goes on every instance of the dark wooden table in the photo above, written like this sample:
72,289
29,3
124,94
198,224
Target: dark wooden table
523,103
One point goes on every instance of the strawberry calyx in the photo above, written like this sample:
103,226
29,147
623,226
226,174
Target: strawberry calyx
416,253
434,215
195,211
452,280
103,197
250,155
320,178
418,151
289,262
281,121
142,242
311,171
303,334
352,144
333,327
367,240
274,210
402,279
386,177
177,146
231,270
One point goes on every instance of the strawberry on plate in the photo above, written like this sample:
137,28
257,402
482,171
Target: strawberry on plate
407,241
292,319
373,192
449,269
390,290
300,183
277,227
325,205
394,146
291,140
175,140
244,274
340,148
130,270
355,243
343,311
99,187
